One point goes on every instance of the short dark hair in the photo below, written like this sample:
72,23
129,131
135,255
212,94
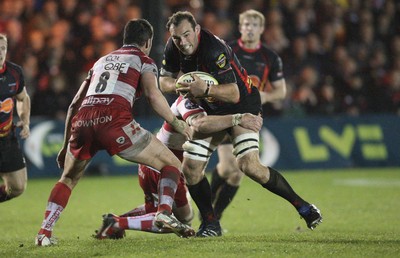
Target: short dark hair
178,17
137,31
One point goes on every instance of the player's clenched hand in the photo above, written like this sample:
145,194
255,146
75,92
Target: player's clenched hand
25,131
251,122
61,157
183,128
196,89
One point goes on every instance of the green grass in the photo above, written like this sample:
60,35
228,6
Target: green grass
360,209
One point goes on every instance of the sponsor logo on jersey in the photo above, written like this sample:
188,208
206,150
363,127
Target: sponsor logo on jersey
190,105
12,87
120,140
117,66
7,105
221,61
94,121
90,101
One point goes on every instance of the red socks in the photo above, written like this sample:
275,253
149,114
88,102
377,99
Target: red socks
167,187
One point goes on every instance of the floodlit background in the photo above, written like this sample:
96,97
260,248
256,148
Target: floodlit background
340,56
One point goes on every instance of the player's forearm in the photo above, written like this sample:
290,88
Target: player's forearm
73,109
160,106
270,97
210,124
278,92
225,92
24,110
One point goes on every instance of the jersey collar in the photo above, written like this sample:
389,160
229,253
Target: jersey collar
249,50
4,68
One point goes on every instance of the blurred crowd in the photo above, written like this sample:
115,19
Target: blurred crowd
339,56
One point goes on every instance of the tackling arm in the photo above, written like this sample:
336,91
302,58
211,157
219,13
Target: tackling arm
210,124
160,104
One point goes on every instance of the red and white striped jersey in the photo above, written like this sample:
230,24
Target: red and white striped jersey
115,78
182,108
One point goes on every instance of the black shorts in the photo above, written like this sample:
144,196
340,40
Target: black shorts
11,157
251,103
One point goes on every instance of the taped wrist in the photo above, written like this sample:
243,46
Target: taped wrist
236,119
178,125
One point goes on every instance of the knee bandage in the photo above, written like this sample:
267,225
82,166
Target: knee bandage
198,150
244,144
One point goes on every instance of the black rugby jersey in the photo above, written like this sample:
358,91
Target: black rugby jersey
262,64
215,57
11,84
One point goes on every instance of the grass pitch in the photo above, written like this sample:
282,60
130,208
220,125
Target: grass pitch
360,208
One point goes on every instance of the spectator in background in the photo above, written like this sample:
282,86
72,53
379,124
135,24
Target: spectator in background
297,57
327,104
356,26
274,35
264,67
304,97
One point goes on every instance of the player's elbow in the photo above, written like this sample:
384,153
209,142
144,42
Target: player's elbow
281,89
165,85
283,93
152,100
234,97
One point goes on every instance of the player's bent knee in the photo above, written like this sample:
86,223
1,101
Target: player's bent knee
193,175
17,190
184,214
235,178
251,166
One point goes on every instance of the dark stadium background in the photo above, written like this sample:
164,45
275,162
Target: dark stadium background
341,57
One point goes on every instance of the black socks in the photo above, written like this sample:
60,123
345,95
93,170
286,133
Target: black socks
279,186
201,194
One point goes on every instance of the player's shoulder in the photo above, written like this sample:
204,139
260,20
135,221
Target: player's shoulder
126,53
214,51
143,57
212,43
233,43
13,66
268,51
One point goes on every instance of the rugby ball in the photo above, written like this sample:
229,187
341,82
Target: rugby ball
188,78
